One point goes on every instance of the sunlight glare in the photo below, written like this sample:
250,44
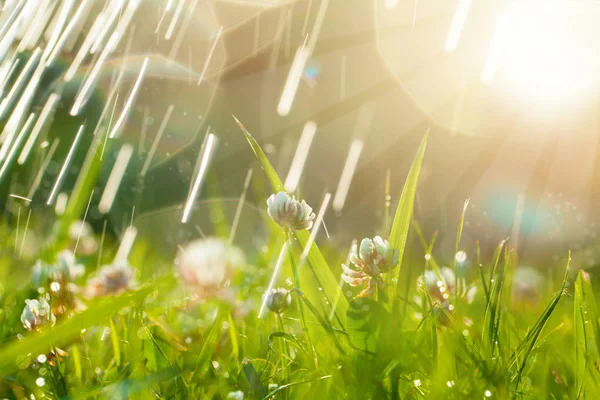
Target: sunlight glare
544,50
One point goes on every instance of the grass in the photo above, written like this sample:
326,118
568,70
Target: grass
156,340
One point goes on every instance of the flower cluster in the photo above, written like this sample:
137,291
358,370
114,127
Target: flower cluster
206,265
57,279
111,279
37,314
373,258
289,212
445,288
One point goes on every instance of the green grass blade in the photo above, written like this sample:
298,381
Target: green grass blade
64,333
526,347
114,337
264,161
404,211
492,310
316,261
579,333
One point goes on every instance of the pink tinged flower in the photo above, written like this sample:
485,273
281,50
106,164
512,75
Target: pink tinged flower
374,257
37,314
111,279
289,212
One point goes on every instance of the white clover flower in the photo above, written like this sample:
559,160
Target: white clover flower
374,257
289,212
82,234
277,300
111,279
37,314
238,395
445,288
527,285
206,264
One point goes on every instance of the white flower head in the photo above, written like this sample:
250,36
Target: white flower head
528,283
373,258
237,395
277,300
111,279
206,264
289,212
444,288
37,314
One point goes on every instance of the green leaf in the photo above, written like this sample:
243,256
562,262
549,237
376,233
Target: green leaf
254,380
404,212
17,353
363,323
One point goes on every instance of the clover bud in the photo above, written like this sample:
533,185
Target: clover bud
289,212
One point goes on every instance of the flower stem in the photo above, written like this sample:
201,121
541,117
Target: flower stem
285,355
300,303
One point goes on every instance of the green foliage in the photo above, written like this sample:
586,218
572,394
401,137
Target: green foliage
430,339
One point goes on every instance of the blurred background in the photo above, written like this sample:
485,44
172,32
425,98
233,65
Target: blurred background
338,93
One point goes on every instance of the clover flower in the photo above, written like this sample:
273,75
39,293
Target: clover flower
444,288
277,300
289,212
206,265
57,279
373,258
37,314
111,279
527,284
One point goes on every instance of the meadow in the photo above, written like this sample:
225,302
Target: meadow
129,270
277,322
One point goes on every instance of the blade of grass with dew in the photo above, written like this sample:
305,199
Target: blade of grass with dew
404,211
592,315
492,310
528,343
18,352
579,334
316,261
